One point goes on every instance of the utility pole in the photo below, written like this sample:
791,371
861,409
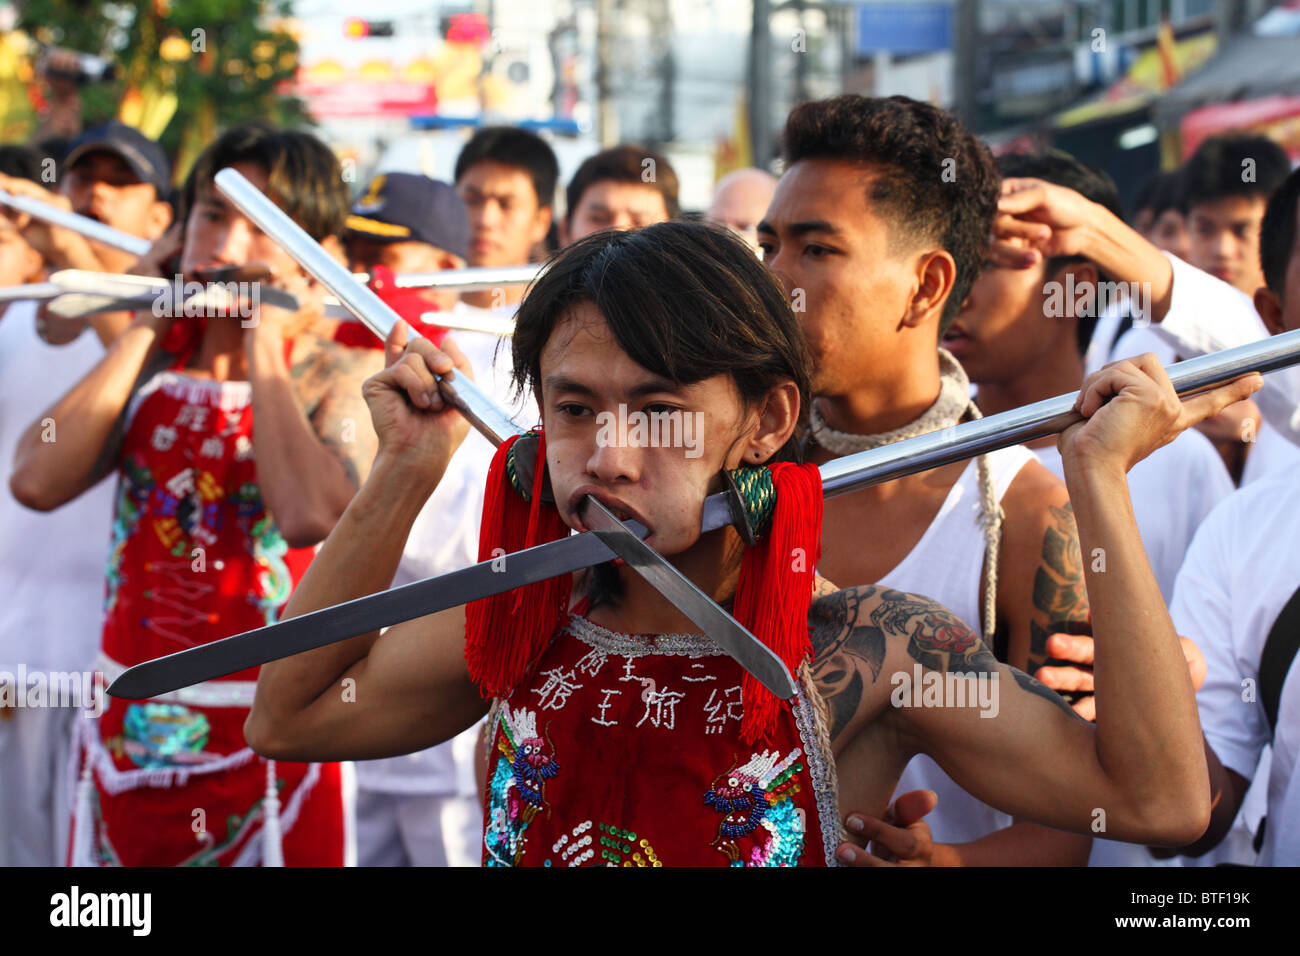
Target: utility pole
801,56
965,43
664,121
760,84
607,115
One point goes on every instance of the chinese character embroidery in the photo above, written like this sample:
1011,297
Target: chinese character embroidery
558,688
721,709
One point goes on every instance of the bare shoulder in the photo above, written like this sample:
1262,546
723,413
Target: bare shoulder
860,633
1033,501
1041,565
327,377
321,368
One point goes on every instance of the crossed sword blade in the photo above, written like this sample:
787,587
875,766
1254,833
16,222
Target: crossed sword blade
615,537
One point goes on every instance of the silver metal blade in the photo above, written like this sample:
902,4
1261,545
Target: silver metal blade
723,629
464,280
472,402
32,290
75,305
90,228
490,324
359,616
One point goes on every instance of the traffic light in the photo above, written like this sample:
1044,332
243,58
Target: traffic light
355,28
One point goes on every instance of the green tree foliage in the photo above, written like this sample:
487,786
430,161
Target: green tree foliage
224,59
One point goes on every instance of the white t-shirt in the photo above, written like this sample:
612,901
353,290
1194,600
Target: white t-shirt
1134,341
1240,572
1173,489
1271,454
445,538
52,564
1206,315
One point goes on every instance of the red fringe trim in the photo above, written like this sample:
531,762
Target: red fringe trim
506,634
776,585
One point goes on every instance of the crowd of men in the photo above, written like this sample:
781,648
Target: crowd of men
171,481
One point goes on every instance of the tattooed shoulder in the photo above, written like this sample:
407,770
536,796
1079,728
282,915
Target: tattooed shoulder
851,630
322,368
847,653
936,638
328,379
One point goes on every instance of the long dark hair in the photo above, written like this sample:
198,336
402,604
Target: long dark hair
685,300
303,177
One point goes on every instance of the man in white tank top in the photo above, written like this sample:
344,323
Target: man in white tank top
878,253
1020,348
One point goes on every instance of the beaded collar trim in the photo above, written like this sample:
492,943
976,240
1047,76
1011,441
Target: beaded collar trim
639,645
821,766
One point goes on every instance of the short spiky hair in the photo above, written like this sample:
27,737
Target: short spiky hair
937,185
510,146
1217,169
624,164
1277,234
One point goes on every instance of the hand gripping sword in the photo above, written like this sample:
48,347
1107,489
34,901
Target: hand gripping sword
876,466
616,538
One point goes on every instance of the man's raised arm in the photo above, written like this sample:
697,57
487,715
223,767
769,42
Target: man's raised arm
76,442
1193,310
339,702
1139,774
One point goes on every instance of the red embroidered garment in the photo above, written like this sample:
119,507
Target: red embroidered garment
626,750
194,557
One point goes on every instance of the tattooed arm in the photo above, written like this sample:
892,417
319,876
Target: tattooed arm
1140,772
312,435
372,695
882,662
1040,580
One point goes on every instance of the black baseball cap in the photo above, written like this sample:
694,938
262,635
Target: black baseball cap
407,207
145,157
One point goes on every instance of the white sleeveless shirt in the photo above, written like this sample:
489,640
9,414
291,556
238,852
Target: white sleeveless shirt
946,565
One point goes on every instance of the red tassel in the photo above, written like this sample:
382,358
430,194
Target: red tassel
506,634
184,336
776,585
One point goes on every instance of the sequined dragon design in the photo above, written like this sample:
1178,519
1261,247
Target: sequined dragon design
753,800
518,786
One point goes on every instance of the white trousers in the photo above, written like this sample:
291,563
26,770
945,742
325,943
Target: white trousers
418,829
35,789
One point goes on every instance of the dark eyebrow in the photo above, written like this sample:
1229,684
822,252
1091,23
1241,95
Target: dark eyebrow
803,228
213,198
648,387
653,385
562,384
